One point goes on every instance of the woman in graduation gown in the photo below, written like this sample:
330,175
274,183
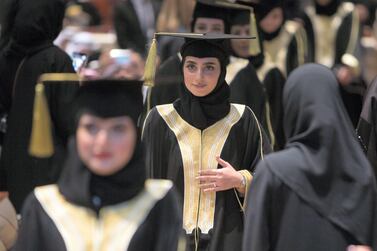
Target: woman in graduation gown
27,51
102,200
333,35
268,74
319,193
284,41
209,17
207,146
366,128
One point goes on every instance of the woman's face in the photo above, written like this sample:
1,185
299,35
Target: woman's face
201,75
272,21
240,46
209,25
105,145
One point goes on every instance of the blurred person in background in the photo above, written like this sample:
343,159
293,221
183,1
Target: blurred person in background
135,23
284,41
333,32
268,74
102,201
27,51
175,16
82,13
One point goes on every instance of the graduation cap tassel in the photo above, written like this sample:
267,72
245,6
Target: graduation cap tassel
150,65
41,144
254,47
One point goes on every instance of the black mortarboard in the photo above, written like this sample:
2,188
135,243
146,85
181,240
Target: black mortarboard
262,7
196,44
102,97
210,9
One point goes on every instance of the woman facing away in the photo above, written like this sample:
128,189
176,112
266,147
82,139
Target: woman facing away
207,146
319,192
102,201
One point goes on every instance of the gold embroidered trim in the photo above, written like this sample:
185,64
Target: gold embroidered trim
276,50
235,65
325,28
199,150
112,230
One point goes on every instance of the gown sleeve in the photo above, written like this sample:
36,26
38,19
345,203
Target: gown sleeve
156,155
32,234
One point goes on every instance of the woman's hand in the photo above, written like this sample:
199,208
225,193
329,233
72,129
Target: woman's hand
226,178
358,248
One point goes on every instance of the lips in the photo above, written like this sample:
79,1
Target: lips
200,86
102,156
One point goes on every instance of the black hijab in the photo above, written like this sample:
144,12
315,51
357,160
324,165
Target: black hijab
105,99
322,161
209,9
367,126
262,9
327,10
243,18
31,25
202,112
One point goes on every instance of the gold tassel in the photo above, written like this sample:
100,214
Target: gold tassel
150,65
41,145
254,46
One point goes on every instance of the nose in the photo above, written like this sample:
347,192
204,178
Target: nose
199,76
102,139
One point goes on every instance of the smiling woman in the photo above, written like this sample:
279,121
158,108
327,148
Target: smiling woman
105,145
103,200
207,146
201,75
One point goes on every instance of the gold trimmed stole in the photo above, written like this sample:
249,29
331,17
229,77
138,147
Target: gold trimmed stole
276,50
325,31
114,227
199,150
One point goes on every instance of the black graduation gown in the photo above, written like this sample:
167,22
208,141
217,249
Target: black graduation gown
279,215
266,86
346,40
171,143
168,77
246,89
19,172
273,82
288,48
158,229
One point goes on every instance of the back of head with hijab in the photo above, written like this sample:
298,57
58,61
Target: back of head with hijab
104,99
322,161
31,25
202,112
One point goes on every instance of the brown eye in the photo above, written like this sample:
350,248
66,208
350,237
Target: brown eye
91,128
191,67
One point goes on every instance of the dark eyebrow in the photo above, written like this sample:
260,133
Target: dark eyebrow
210,63
190,62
